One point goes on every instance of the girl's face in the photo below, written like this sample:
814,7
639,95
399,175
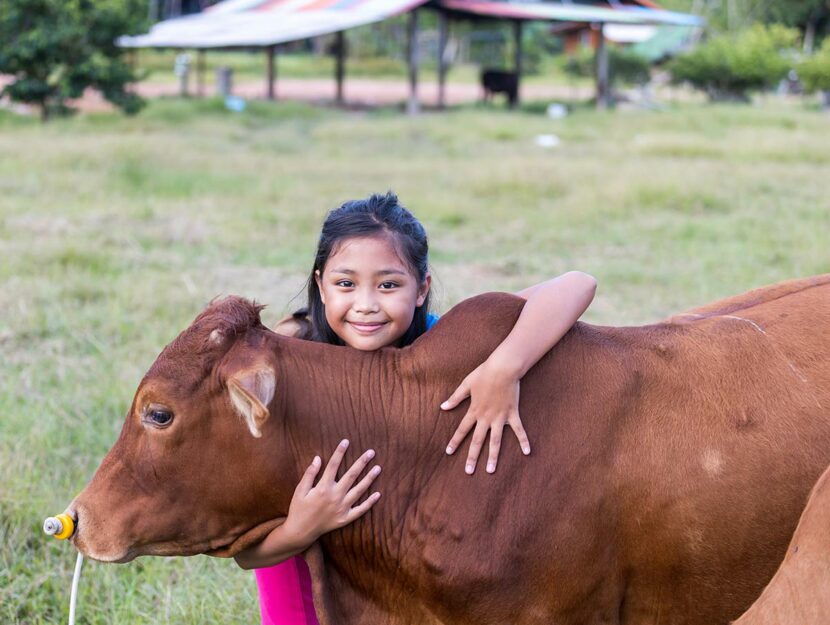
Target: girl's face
369,293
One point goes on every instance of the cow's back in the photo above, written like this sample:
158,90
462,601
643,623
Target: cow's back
670,465
729,433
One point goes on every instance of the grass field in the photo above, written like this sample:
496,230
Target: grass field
115,232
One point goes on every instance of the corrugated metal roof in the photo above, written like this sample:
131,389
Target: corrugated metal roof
241,23
555,11
246,23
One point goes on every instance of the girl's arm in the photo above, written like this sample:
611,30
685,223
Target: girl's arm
493,387
315,510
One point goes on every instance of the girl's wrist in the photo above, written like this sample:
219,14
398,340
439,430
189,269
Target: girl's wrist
505,365
297,537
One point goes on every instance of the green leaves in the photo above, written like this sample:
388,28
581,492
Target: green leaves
815,71
55,49
731,66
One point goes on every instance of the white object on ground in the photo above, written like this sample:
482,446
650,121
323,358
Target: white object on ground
547,141
234,103
73,595
557,111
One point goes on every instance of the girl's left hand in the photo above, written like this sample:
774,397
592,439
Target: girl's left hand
494,402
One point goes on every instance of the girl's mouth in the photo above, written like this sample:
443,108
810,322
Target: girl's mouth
366,328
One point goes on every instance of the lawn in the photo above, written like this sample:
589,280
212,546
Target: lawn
115,232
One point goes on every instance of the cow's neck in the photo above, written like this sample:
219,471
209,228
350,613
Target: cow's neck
384,400
388,400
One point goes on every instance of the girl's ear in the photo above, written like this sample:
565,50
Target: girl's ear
319,281
423,290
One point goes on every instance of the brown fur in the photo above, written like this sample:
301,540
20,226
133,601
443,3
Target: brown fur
670,464
799,594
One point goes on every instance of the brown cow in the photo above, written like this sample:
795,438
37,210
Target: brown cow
670,462
799,594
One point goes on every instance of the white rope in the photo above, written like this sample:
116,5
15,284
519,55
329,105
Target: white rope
73,596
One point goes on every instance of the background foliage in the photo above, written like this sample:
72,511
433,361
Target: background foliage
815,71
55,49
729,66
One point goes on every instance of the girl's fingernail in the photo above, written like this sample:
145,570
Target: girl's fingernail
449,449
376,470
344,443
491,467
445,405
370,454
526,450
469,468
376,495
316,460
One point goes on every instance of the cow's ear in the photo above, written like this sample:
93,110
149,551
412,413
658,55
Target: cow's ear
251,391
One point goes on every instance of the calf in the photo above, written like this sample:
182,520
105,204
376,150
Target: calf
670,463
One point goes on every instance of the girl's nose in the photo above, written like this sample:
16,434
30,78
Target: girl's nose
366,302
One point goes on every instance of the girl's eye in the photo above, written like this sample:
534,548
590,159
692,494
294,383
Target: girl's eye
388,285
345,283
159,417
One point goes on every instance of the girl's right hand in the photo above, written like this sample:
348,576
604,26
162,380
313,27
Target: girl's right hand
328,505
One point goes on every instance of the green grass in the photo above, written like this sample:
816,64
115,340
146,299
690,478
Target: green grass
114,232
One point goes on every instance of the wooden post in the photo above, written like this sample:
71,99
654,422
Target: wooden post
340,65
443,37
200,73
270,51
412,106
603,88
517,58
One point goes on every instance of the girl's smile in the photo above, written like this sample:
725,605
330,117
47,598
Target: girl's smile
369,293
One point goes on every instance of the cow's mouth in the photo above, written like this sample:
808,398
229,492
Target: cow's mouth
244,540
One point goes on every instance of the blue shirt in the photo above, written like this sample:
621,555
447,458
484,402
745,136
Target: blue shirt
432,319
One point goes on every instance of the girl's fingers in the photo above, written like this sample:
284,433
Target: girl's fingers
359,511
461,432
307,481
459,395
516,423
334,462
355,470
362,486
475,447
496,431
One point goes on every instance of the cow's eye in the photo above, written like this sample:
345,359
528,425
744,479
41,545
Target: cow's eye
159,416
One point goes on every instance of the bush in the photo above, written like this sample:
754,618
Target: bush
730,66
55,49
815,71
624,66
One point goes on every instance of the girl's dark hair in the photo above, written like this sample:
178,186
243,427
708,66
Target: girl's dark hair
376,215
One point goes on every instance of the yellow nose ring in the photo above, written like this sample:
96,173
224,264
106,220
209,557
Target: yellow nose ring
61,526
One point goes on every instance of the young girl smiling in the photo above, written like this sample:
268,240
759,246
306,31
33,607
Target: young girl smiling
370,288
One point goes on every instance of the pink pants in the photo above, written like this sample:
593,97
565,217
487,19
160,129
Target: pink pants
285,594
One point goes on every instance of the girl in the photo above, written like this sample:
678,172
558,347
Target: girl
370,288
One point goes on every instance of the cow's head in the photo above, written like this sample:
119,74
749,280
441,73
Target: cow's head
190,472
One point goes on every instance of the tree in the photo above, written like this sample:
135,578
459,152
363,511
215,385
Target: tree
55,49
810,16
815,70
730,66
